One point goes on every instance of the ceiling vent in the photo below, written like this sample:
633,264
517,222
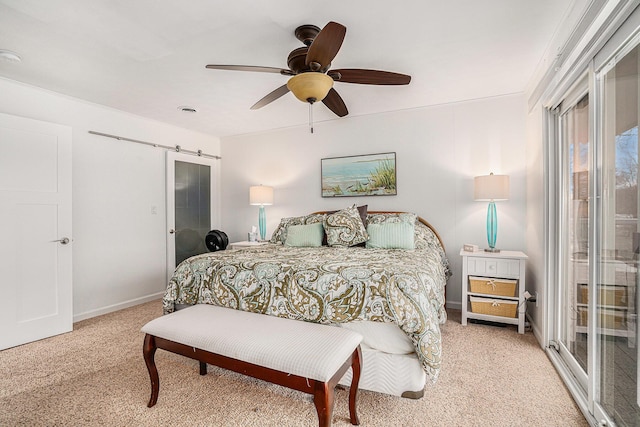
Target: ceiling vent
187,109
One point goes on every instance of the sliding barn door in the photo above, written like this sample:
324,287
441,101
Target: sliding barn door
191,205
35,214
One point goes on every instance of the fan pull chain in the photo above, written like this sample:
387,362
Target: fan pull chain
311,117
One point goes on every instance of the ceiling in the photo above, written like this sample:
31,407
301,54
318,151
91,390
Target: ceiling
148,57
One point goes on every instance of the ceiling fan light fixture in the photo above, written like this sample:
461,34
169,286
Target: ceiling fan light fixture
310,87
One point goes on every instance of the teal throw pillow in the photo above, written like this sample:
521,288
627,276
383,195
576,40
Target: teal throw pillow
280,234
309,235
391,235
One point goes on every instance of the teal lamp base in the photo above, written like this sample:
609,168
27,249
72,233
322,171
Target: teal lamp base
492,227
262,222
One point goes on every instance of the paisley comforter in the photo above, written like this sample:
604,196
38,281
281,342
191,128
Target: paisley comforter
325,285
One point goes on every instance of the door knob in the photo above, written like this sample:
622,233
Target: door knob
172,231
63,241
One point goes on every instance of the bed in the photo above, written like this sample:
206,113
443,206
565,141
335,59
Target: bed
394,297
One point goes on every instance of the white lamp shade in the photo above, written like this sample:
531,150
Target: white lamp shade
491,187
260,195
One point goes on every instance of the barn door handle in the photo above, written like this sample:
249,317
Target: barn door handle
63,241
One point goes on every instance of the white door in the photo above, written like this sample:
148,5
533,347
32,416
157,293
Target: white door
35,214
192,205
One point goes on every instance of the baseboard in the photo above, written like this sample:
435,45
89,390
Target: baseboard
116,307
455,305
536,331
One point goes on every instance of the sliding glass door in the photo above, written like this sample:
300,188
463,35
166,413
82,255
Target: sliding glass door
619,236
574,155
597,240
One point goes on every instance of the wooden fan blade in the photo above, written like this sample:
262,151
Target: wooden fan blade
251,68
272,96
369,77
326,45
335,103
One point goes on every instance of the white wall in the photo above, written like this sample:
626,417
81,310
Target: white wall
119,246
535,229
439,150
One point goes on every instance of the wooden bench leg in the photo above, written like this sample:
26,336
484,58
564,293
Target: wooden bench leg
323,397
148,351
356,360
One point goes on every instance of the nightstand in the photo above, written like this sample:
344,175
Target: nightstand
245,244
493,286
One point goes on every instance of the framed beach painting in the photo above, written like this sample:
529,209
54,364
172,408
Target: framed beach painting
366,175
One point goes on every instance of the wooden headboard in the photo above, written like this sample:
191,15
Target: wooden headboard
425,222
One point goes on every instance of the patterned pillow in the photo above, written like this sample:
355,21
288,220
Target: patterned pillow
383,218
280,233
345,228
307,235
362,210
425,237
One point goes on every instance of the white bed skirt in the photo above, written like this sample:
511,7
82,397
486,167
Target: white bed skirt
395,374
389,362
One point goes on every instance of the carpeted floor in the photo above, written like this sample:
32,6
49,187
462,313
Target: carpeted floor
95,375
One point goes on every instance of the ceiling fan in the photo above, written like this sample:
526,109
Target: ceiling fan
309,67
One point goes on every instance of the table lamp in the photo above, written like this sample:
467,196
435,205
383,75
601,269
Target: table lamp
261,195
491,188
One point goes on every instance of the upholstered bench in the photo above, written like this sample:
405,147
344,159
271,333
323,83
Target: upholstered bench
304,356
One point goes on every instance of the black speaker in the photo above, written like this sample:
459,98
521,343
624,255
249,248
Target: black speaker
216,240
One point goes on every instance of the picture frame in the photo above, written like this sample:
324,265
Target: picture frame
360,175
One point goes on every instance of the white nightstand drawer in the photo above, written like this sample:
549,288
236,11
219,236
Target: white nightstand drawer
493,267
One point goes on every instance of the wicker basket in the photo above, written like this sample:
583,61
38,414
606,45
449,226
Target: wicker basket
489,286
609,319
494,307
609,295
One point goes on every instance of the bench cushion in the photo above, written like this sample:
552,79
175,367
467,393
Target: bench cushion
300,348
